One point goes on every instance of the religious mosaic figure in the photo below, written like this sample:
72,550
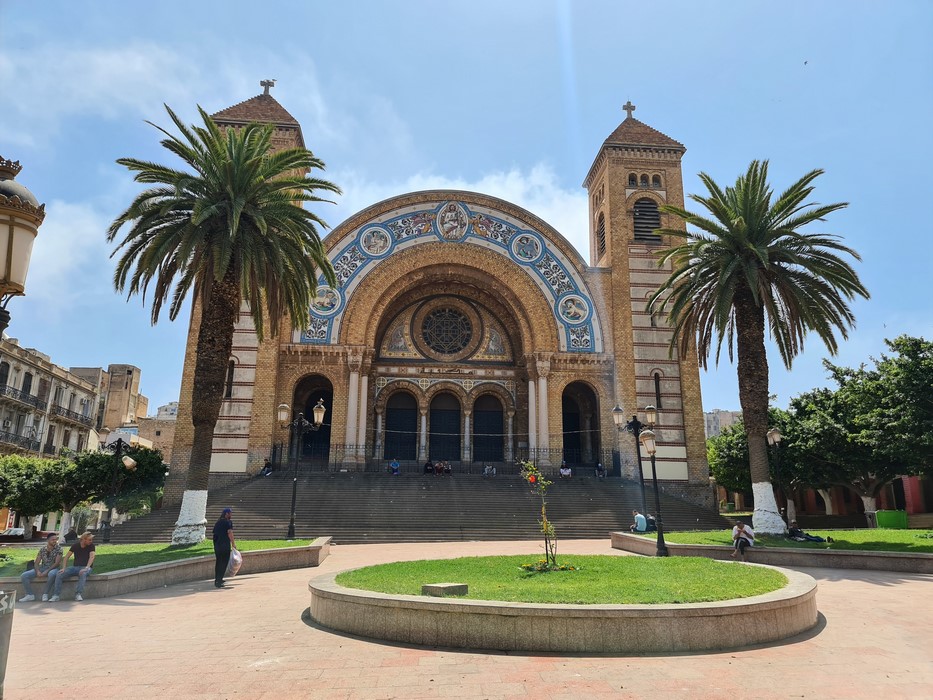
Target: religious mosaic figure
527,248
452,222
325,301
573,309
495,346
397,342
375,241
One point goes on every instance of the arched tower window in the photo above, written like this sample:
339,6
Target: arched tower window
647,219
656,181
228,385
644,180
632,180
600,236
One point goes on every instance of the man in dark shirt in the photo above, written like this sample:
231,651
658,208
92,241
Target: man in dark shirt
84,552
223,543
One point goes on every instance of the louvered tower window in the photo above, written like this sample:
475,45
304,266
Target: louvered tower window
600,236
656,182
632,180
647,219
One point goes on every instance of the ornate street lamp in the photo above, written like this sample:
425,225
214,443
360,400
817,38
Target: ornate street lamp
118,446
774,440
647,439
20,218
300,426
635,427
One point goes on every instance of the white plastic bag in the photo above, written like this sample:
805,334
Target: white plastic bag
236,561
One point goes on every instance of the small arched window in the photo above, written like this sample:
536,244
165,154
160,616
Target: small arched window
656,181
647,219
632,180
228,385
27,383
657,390
4,373
644,180
600,236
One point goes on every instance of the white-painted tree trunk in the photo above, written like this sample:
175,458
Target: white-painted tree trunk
192,520
827,501
791,510
766,519
65,524
871,508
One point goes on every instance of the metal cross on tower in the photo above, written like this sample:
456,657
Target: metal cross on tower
266,84
629,108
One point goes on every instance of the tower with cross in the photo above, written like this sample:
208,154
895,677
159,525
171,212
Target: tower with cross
629,108
266,85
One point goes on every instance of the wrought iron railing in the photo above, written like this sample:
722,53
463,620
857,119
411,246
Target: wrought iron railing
72,415
22,397
20,441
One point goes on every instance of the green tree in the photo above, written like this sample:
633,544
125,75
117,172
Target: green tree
231,228
748,270
25,487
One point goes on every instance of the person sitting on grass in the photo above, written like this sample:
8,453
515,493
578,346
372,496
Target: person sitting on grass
743,537
46,564
640,524
795,533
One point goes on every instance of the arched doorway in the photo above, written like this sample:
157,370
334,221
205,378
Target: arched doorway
487,429
315,447
445,427
401,431
580,418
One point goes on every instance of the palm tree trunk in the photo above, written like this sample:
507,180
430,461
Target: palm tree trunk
215,340
753,397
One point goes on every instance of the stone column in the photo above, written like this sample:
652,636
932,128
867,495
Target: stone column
423,436
587,442
544,433
354,361
364,414
509,439
466,437
377,450
532,419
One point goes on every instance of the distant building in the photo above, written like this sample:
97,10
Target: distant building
160,431
43,407
718,419
120,402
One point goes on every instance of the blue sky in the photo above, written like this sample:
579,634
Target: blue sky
508,98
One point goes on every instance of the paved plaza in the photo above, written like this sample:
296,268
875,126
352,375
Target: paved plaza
255,640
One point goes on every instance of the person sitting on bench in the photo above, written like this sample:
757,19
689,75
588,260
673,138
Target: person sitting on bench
743,537
640,524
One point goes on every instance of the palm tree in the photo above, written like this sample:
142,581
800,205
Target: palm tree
231,229
749,268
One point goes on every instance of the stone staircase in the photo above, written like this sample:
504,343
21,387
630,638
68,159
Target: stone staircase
356,507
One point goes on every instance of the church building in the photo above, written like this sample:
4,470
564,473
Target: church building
464,328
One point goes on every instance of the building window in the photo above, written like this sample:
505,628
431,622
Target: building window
158,433
446,331
647,219
27,383
600,236
657,390
228,389
4,373
656,182
632,180
644,180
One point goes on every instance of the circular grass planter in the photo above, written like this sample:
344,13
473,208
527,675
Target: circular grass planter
573,628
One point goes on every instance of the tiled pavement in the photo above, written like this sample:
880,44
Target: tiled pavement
254,640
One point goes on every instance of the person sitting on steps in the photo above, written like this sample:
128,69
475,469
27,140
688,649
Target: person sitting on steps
600,471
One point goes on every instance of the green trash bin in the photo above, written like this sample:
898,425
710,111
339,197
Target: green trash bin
892,519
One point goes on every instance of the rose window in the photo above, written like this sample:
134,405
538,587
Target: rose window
446,331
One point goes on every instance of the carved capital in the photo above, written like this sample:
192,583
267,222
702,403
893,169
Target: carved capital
355,361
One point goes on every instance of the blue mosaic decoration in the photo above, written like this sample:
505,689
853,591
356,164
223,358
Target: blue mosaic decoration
455,223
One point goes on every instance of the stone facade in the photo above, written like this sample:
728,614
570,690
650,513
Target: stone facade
464,328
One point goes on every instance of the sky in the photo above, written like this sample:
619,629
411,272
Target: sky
511,99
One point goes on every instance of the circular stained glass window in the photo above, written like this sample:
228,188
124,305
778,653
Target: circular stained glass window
446,331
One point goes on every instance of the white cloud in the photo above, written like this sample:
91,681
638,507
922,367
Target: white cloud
537,190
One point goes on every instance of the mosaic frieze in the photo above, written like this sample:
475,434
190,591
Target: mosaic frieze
467,384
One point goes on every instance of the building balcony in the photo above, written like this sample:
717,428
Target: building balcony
8,392
72,416
19,441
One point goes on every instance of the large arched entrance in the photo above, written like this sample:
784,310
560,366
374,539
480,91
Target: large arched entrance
445,427
315,446
579,412
488,432
401,431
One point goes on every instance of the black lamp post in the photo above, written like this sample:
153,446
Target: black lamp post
635,427
119,446
774,440
647,439
299,426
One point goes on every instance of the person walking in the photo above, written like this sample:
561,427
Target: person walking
84,553
46,564
223,543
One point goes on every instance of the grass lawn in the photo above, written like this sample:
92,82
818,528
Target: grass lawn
113,557
878,540
598,579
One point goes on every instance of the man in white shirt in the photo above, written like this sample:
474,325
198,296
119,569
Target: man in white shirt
743,537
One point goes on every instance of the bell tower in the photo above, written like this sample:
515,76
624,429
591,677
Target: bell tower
636,171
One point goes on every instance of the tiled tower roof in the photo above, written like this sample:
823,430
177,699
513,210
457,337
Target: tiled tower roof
262,108
632,132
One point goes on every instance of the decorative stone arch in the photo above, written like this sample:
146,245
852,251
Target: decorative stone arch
497,390
305,392
394,387
580,427
450,388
